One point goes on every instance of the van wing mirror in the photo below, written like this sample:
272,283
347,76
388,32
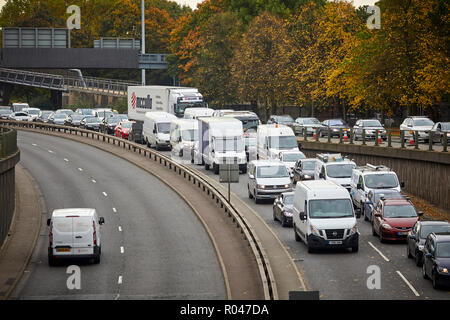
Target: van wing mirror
48,222
359,186
358,213
402,184
251,176
101,220
302,216
321,176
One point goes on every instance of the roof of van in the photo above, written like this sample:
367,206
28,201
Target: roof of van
267,162
218,119
275,128
187,122
82,212
323,189
160,115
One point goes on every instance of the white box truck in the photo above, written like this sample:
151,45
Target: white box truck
221,141
174,100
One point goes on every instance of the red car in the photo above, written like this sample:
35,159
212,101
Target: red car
392,219
123,128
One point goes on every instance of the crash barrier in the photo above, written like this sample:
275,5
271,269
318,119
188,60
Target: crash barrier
265,270
426,173
407,137
9,156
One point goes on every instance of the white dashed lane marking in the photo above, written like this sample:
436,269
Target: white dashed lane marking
379,252
105,194
408,283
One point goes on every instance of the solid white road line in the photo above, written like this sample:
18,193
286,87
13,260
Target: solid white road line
408,283
382,255
105,194
119,281
122,250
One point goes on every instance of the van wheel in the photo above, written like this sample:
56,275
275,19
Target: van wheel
424,273
374,233
244,171
216,168
417,259
206,166
297,237
51,261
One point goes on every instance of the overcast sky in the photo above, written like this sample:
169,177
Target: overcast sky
193,3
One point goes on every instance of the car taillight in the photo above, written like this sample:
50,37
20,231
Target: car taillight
94,233
51,234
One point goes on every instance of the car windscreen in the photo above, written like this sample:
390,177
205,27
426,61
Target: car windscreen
330,208
311,121
423,122
340,170
443,250
92,120
387,194
112,120
372,123
289,199
445,126
337,123
229,144
189,135
86,111
21,114
282,142
249,123
60,116
127,125
293,157
284,119
381,181
272,172
77,117
308,165
163,127
426,230
400,211
5,111
33,111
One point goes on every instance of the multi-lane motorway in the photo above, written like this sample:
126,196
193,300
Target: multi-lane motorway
152,248
343,274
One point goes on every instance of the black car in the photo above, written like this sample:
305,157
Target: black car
283,207
374,196
43,116
73,120
304,169
436,259
416,238
109,124
91,123
334,125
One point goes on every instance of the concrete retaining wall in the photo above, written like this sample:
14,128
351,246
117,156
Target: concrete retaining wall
426,173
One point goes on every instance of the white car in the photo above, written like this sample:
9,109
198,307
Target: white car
290,158
21,116
33,112
74,233
422,125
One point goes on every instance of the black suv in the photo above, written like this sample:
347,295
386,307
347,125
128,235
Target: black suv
415,240
334,125
436,259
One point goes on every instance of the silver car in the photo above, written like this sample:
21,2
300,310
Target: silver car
57,118
422,125
370,127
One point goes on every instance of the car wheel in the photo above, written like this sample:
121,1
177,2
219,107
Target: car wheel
283,222
206,166
424,273
408,252
274,215
434,281
418,259
256,198
365,216
374,233
250,196
381,236
216,168
297,237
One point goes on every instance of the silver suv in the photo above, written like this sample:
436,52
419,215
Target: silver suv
370,127
421,124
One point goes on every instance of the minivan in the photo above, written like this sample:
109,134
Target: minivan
74,233
183,134
274,138
324,216
156,129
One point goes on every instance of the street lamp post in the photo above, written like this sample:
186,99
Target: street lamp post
143,38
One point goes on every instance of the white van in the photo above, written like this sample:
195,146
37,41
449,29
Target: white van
156,129
183,134
33,112
18,106
274,138
370,177
194,113
324,216
74,233
334,167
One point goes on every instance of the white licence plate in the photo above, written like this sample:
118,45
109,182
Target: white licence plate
83,251
334,242
402,233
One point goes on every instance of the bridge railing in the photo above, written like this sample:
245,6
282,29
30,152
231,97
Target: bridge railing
262,260
99,85
33,79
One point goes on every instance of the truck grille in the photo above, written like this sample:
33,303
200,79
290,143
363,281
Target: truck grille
335,233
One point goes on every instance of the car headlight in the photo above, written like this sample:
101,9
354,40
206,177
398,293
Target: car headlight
315,231
421,247
307,176
260,186
442,269
353,230
287,186
386,226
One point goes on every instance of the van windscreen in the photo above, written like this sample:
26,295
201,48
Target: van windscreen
330,208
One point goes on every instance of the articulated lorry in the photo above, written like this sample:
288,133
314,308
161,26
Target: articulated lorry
174,100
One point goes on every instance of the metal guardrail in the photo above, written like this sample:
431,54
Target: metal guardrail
8,142
265,270
411,135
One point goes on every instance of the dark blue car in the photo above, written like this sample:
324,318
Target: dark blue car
374,196
436,259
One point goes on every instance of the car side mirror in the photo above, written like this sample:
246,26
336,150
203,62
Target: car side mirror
48,222
101,220
358,213
402,184
359,186
251,176
302,216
